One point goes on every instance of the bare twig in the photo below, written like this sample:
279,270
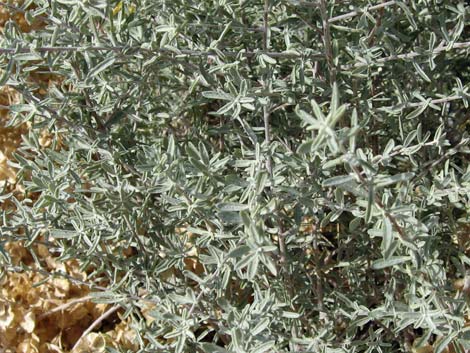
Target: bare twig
359,12
24,268
178,52
420,104
248,53
410,55
21,269
316,4
430,165
96,323
88,100
266,108
327,41
398,228
65,306
378,23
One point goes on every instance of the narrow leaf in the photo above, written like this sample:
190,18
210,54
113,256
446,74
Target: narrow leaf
392,261
101,66
337,180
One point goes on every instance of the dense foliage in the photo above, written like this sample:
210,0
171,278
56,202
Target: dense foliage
272,176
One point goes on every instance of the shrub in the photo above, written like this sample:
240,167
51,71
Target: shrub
240,176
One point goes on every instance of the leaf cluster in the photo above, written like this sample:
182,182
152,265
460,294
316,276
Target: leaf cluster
286,176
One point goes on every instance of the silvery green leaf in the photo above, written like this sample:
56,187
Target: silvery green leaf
212,348
417,112
231,206
337,180
390,262
264,347
261,326
307,118
381,182
444,342
63,234
317,111
253,267
305,147
370,203
269,263
290,315
387,235
335,116
421,72
27,57
239,251
268,59
6,72
230,217
217,95
103,65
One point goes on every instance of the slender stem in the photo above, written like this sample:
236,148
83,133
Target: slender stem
315,4
19,269
410,55
96,323
266,33
359,12
379,203
248,53
65,306
430,165
266,108
178,52
378,23
327,41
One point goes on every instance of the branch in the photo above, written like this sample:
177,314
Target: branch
98,321
266,108
249,53
65,306
316,4
327,41
178,52
411,55
434,101
359,12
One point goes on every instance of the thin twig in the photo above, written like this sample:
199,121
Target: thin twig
96,323
266,108
33,99
316,4
379,203
223,25
65,306
430,165
19,269
182,52
359,12
420,104
248,53
378,23
24,268
327,41
410,55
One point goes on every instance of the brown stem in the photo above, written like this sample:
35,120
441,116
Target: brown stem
327,41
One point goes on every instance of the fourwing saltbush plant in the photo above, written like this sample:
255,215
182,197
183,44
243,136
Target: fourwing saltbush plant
314,154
